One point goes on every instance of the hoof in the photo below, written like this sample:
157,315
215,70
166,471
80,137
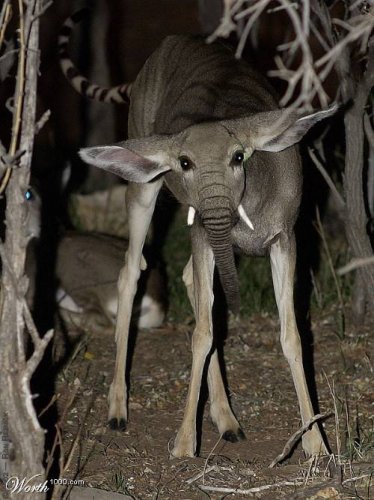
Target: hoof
313,443
117,424
181,453
234,437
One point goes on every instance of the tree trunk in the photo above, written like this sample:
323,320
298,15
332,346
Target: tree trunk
25,446
357,218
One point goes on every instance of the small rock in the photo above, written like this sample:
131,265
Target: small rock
247,472
330,493
133,405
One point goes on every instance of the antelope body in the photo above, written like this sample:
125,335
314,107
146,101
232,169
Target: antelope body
87,268
209,127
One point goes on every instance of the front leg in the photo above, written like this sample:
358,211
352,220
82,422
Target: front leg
220,410
140,204
202,299
283,258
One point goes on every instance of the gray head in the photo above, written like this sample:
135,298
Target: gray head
205,163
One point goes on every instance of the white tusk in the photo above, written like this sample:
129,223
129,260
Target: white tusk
191,216
245,217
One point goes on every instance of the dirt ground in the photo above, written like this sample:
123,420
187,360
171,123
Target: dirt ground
137,463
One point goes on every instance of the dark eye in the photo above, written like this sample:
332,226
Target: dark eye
238,158
28,195
185,163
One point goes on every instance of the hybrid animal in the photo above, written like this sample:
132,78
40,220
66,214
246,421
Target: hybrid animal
209,127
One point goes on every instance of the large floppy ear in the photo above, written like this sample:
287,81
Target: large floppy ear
279,129
135,160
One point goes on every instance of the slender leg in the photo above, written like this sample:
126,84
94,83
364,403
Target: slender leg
220,410
203,268
140,202
283,257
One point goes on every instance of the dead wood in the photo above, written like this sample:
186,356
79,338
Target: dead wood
347,45
25,433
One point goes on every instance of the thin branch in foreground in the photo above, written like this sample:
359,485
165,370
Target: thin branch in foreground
250,491
5,16
60,422
42,121
355,264
295,438
202,473
336,413
339,198
357,478
321,232
37,355
210,454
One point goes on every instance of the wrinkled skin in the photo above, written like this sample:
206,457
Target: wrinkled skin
214,186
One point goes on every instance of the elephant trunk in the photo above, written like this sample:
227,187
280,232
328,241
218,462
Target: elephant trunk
217,218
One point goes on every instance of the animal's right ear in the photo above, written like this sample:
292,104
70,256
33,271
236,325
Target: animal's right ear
137,160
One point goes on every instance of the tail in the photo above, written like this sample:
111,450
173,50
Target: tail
119,94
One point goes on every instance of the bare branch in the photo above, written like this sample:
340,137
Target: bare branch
15,396
202,473
355,264
326,176
250,491
5,15
42,10
309,75
226,25
295,438
37,355
42,121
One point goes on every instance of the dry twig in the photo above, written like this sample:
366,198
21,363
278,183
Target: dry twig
355,264
295,438
250,491
338,197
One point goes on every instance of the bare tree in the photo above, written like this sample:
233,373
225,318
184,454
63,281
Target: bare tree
347,45
26,435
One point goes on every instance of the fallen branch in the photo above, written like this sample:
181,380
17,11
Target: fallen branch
357,478
250,491
202,473
295,438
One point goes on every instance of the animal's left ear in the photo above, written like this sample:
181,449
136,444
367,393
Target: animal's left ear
275,130
280,129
